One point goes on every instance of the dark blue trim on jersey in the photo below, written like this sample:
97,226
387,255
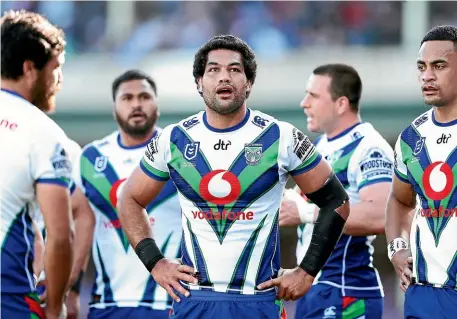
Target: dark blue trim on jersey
185,257
151,175
72,187
452,273
55,181
107,292
15,94
91,153
271,257
453,122
167,191
144,144
179,138
404,180
229,129
376,181
421,264
307,168
343,133
200,266
17,255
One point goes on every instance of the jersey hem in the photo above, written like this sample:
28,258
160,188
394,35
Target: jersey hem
55,181
367,292
400,177
152,175
307,168
375,181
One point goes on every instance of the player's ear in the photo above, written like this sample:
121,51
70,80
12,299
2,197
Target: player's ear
248,89
343,105
199,86
29,71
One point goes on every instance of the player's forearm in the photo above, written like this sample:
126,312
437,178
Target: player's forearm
398,217
134,220
84,221
58,263
367,218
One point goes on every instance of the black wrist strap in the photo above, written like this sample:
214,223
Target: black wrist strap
149,253
77,285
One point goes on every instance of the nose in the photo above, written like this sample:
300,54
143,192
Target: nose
224,76
305,103
428,75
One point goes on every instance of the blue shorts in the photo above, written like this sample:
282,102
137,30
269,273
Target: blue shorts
324,301
423,302
140,312
18,306
210,305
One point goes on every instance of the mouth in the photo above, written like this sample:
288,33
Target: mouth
429,90
137,116
224,91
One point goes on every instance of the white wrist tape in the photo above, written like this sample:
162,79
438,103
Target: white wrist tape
396,245
305,209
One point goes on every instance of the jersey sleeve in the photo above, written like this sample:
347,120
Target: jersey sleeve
373,163
154,161
300,155
50,160
400,169
74,151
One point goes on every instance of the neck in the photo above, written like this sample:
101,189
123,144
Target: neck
132,141
18,87
446,113
223,121
343,124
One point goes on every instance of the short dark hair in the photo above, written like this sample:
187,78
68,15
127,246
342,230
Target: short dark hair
27,36
442,33
345,82
132,75
228,42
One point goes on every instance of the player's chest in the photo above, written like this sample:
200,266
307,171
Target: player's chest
432,162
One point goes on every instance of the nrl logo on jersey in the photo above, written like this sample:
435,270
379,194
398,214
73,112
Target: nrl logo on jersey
253,153
191,150
100,163
419,145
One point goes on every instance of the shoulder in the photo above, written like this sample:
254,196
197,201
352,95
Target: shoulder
190,122
101,143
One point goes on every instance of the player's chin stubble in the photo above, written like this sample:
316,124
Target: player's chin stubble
136,130
224,108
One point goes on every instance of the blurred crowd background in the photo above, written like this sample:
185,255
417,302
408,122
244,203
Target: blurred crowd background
379,38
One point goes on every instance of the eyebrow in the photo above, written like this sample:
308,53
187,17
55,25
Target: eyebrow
230,64
432,62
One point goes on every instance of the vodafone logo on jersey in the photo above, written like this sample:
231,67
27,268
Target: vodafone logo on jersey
115,191
438,180
220,187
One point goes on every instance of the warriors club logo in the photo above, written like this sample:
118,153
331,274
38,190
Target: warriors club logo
438,180
220,187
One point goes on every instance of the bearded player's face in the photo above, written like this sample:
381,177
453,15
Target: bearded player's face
224,84
136,107
318,104
437,72
48,82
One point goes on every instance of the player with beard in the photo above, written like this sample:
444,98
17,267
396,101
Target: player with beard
425,169
230,165
122,287
35,169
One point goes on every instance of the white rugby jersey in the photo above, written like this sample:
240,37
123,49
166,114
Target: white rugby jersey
359,156
426,156
74,152
230,183
32,152
121,278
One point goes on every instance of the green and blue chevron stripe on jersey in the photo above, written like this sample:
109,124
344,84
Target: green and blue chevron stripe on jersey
98,186
417,162
421,264
341,164
255,181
